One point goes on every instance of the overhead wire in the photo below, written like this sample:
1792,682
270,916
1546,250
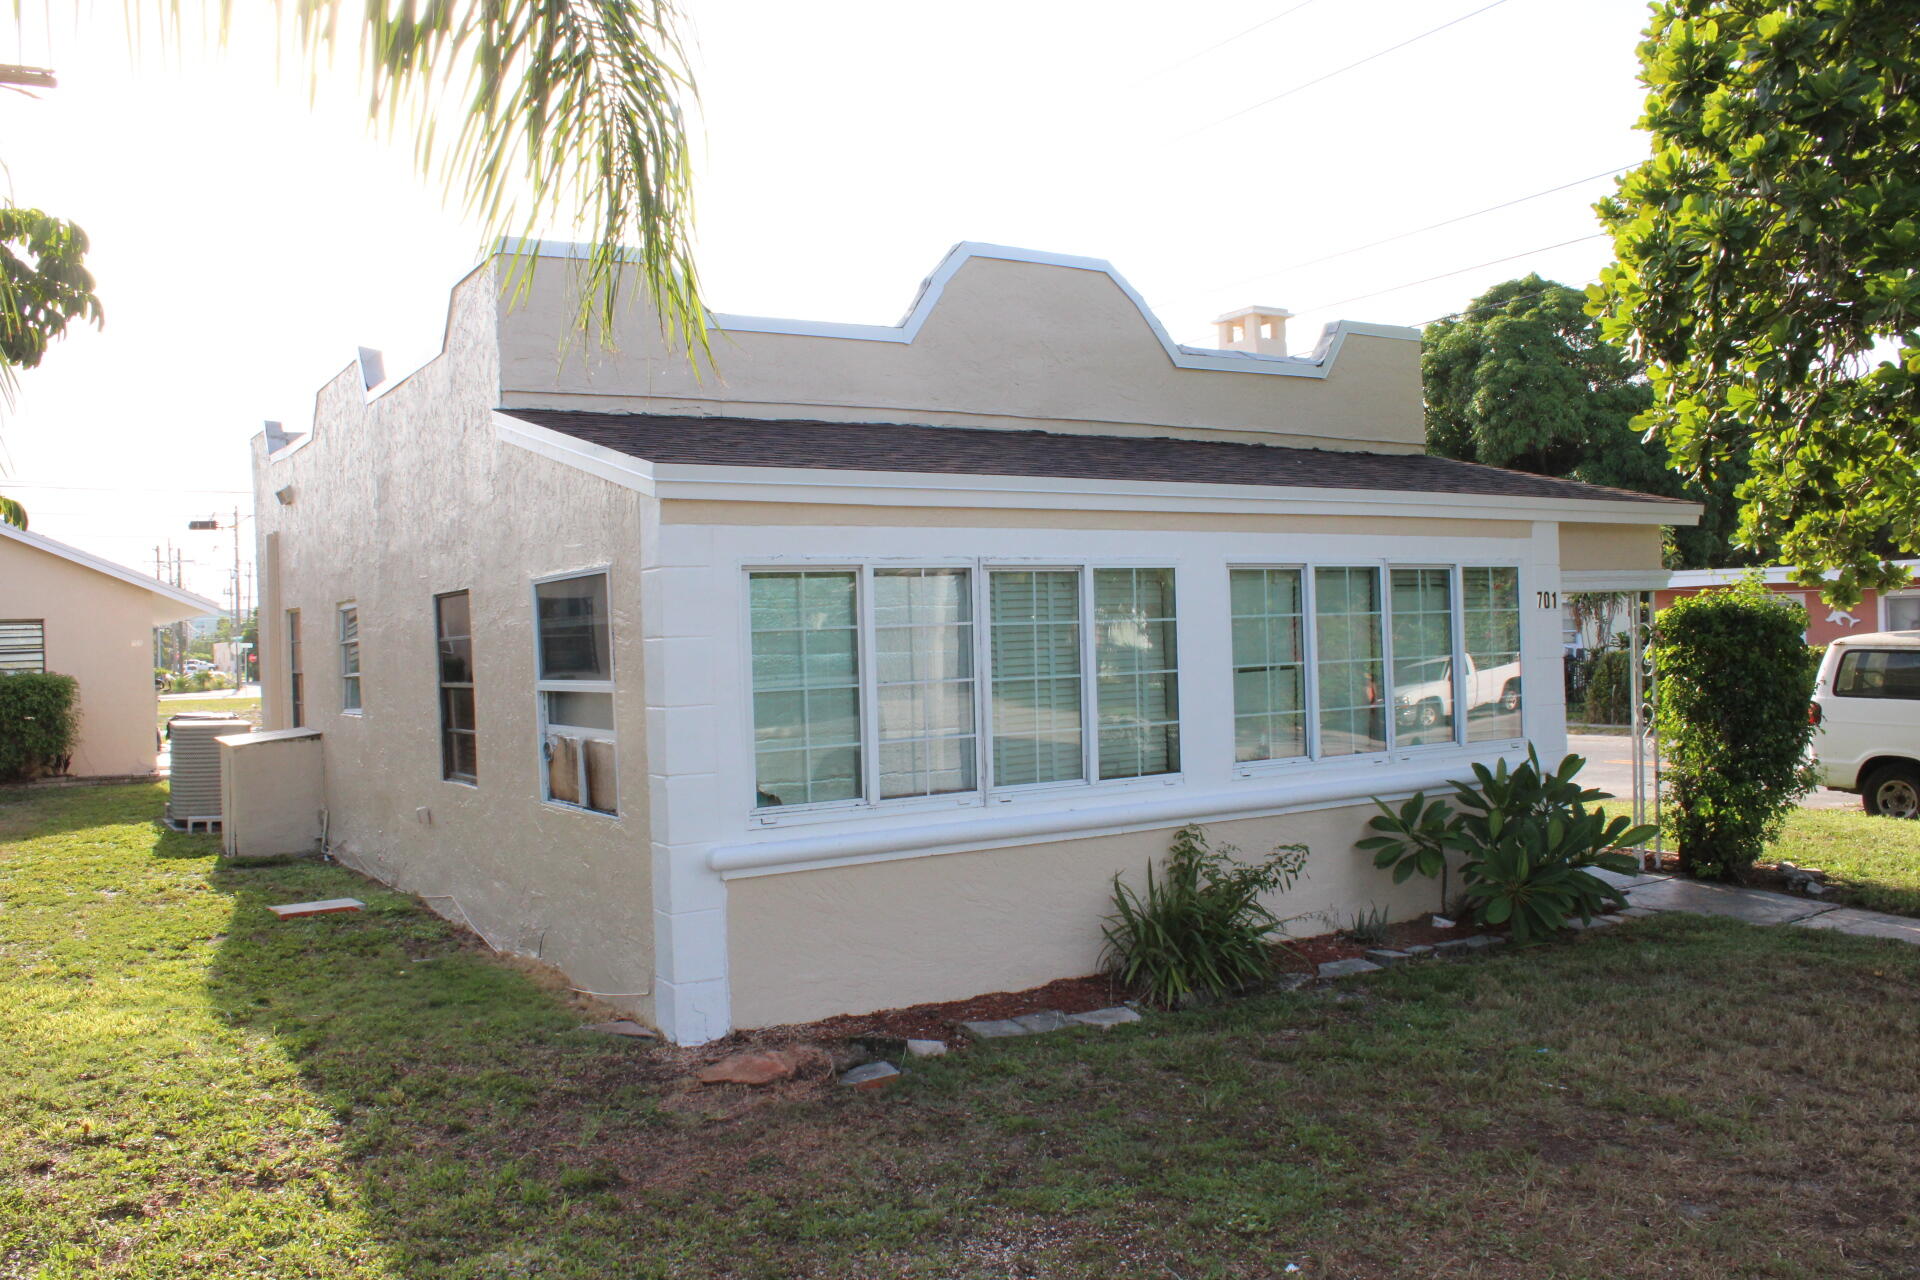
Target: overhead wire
1447,275
1339,71
1221,44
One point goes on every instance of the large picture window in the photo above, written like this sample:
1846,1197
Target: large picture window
459,738
574,683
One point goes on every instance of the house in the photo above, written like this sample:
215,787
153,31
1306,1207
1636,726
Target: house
67,611
847,675
1897,610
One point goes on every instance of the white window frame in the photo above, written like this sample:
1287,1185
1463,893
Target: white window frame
986,790
1886,602
1395,751
542,687
359,685
41,624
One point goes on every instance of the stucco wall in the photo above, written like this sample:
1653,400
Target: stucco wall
1021,345
100,631
394,503
812,944
1609,546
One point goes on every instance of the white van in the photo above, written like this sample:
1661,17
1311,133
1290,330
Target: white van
1866,706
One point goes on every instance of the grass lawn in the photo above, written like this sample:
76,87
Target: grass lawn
246,707
189,1088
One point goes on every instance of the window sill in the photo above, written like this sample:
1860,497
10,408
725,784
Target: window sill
860,810
564,807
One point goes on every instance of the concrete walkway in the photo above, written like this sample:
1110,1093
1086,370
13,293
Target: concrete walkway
1651,893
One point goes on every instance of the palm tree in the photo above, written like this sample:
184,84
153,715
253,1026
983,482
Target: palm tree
526,111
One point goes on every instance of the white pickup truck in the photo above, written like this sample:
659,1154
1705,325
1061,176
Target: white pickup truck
1421,690
1866,706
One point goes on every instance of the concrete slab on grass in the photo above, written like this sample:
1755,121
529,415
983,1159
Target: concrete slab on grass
325,907
1105,1018
1755,906
1347,968
1865,924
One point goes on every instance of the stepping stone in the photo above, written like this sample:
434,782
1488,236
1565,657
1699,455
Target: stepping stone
1386,958
1045,1020
1755,906
926,1048
325,907
1347,968
1479,942
1105,1018
1864,924
875,1075
1419,951
996,1029
1451,947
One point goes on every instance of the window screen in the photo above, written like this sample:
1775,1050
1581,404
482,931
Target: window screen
1490,613
806,686
1269,665
1422,656
923,677
1034,642
1347,632
1136,680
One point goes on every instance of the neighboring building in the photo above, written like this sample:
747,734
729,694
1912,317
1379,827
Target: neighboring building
848,674
63,610
1877,611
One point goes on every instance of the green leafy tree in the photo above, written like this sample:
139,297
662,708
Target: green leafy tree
1523,379
1769,268
44,288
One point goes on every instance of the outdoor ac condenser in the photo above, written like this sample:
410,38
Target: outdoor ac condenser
193,800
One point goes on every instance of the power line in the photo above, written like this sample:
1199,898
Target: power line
1431,226
1195,57
1445,275
1288,93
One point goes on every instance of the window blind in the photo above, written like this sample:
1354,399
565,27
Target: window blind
1034,642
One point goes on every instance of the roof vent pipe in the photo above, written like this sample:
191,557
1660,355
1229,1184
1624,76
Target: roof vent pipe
1261,330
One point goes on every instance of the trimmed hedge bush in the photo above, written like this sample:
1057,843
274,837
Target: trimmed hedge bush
1735,679
39,721
1610,688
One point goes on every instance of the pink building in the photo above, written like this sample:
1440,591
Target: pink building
1877,611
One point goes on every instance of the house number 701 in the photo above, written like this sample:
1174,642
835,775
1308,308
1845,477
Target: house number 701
1549,599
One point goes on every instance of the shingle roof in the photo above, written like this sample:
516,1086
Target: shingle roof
872,446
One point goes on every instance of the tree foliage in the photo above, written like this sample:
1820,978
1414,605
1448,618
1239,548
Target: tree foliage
44,284
1523,379
1769,268
1735,679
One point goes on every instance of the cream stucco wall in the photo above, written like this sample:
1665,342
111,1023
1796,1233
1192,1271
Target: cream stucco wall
100,631
811,944
1016,344
395,502
1585,547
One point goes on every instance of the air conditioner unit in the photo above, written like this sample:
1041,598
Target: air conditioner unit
193,796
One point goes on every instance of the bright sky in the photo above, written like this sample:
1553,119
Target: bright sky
246,239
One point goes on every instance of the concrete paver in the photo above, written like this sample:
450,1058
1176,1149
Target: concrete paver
1865,924
1755,906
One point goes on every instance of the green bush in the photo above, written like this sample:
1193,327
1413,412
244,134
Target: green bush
1735,679
1528,843
1610,688
1200,928
39,721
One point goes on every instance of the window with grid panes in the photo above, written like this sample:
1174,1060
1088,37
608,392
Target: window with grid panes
1348,644
1035,676
459,750
1423,697
923,680
1136,680
1269,664
806,686
1490,619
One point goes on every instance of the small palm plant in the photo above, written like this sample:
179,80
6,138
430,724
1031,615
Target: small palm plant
1200,927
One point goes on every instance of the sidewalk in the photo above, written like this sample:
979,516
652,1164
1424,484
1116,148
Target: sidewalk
1610,767
1647,894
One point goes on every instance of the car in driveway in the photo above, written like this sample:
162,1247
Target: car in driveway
1866,712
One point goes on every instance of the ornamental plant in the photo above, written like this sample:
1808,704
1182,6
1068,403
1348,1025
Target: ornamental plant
39,722
1735,677
1527,841
1200,928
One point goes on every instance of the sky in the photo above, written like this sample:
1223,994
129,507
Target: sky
250,229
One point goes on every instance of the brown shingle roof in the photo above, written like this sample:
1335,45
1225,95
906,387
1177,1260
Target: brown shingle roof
871,446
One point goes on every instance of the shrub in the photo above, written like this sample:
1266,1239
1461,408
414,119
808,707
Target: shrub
1528,843
39,721
1610,688
1200,928
1735,678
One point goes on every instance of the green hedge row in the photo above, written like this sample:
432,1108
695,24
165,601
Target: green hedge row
39,721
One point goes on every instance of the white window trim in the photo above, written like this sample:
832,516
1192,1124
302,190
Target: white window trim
359,652
542,687
985,792
1885,605
1310,648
